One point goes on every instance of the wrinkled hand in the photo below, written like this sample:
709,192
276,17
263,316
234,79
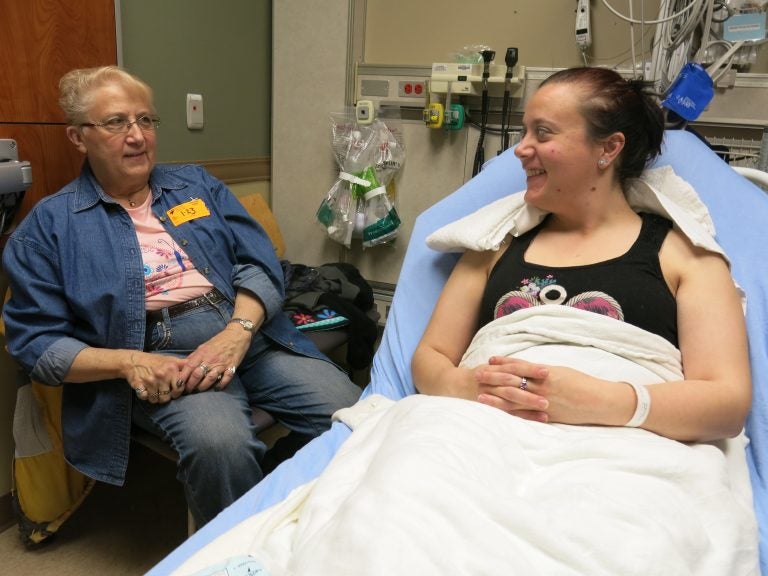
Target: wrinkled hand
154,377
215,362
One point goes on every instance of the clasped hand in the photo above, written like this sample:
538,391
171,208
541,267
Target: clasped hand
538,392
160,378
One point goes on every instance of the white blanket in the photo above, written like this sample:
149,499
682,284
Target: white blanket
431,485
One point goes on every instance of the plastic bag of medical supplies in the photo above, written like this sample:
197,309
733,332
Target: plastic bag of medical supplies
359,205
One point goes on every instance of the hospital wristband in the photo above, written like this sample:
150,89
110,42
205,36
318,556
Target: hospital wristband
643,405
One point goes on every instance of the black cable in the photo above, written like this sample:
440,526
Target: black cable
490,128
505,119
480,150
488,56
510,60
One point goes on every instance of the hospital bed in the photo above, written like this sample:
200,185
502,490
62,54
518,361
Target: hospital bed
739,210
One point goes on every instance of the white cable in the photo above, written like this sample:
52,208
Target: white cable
642,37
754,175
626,19
679,32
674,38
706,31
632,42
729,55
656,54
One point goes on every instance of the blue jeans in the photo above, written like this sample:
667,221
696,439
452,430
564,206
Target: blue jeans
219,453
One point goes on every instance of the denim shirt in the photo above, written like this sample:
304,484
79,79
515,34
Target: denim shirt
77,280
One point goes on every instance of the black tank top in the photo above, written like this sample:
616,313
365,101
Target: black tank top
630,288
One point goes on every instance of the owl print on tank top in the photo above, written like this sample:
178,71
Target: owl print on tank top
537,291
628,288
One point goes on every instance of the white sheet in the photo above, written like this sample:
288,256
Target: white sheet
432,485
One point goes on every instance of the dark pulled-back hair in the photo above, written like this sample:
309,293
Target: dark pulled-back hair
612,104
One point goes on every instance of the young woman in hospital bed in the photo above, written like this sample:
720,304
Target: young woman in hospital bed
584,382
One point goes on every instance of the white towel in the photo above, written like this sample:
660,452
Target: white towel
658,190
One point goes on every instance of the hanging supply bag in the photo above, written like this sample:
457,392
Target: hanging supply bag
381,219
368,157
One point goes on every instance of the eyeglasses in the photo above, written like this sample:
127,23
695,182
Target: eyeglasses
121,124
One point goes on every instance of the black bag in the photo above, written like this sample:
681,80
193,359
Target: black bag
332,290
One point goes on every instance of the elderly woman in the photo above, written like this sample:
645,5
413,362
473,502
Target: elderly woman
149,293
587,131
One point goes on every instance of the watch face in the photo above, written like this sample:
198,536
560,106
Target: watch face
246,324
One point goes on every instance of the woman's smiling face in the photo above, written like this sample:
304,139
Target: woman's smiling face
557,153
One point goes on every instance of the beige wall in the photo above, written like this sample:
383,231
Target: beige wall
543,31
407,32
309,60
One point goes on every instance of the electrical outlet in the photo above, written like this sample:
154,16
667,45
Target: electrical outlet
410,89
364,112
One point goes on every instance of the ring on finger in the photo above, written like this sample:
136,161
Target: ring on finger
523,383
164,392
232,370
156,395
218,376
204,368
140,390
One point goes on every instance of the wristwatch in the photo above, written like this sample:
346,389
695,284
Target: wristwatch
247,325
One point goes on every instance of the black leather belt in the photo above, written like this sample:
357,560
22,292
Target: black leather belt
211,297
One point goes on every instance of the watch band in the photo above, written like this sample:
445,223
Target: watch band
248,325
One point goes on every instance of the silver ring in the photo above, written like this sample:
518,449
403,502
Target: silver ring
164,392
232,370
140,390
156,395
523,383
205,369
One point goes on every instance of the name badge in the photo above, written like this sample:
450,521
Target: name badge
188,211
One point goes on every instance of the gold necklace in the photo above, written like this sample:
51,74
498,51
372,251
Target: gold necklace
133,203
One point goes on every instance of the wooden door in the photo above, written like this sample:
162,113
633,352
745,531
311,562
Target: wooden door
40,40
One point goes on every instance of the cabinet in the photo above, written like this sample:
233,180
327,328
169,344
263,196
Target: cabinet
40,40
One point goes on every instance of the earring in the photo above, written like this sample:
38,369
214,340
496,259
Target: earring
602,162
